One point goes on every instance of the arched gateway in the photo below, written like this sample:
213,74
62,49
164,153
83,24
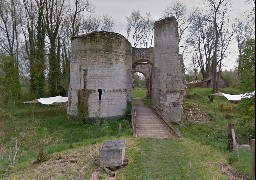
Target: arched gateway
101,70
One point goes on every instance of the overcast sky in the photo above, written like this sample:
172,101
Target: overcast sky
120,9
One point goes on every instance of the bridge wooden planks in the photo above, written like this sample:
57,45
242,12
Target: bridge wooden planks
149,125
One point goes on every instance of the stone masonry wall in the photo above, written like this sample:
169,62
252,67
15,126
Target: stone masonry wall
168,78
101,74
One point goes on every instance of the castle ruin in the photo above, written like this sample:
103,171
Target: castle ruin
101,68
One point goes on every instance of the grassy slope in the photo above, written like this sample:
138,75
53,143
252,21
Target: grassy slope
47,128
215,132
174,159
199,155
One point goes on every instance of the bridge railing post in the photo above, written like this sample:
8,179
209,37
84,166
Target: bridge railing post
133,121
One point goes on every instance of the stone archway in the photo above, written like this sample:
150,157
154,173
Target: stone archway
143,62
144,67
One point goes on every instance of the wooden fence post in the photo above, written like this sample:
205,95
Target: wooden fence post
231,137
253,156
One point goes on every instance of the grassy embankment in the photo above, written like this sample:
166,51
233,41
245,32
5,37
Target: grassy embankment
201,154
215,132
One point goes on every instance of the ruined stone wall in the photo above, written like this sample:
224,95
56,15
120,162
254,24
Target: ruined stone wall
100,75
145,69
168,74
143,54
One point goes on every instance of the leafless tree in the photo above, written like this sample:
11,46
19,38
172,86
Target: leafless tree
9,26
201,38
76,12
97,23
218,11
107,23
179,11
140,28
53,15
210,36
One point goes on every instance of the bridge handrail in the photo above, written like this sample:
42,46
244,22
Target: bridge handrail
134,116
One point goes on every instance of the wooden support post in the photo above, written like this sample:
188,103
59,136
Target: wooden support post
233,137
120,128
253,156
230,139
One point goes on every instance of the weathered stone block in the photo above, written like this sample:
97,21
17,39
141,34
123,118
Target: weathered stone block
112,153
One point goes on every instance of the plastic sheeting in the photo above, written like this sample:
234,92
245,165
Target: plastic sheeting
53,100
232,97
248,95
238,97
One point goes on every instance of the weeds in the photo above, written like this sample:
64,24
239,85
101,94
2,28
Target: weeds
47,130
215,133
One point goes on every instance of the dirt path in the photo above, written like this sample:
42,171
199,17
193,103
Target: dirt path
148,124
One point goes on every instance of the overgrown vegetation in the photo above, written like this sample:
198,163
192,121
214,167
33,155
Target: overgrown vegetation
247,106
9,80
32,132
215,131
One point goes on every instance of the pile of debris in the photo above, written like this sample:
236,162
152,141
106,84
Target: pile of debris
196,115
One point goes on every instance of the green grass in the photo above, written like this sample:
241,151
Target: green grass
32,126
173,159
241,160
214,133
199,155
139,92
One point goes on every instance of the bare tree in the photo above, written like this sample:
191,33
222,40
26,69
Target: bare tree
97,23
71,25
201,37
107,23
140,28
178,10
76,14
218,11
210,36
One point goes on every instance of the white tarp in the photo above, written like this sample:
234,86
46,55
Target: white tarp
232,97
238,97
52,100
248,95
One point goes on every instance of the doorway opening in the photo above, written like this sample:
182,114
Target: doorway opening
139,89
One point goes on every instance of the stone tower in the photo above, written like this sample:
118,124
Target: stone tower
100,75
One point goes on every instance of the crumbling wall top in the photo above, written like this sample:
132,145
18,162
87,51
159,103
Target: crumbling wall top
100,34
166,20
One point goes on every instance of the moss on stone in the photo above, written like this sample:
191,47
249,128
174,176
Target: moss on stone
83,106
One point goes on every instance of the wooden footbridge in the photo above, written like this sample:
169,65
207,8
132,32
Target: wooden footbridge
148,124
